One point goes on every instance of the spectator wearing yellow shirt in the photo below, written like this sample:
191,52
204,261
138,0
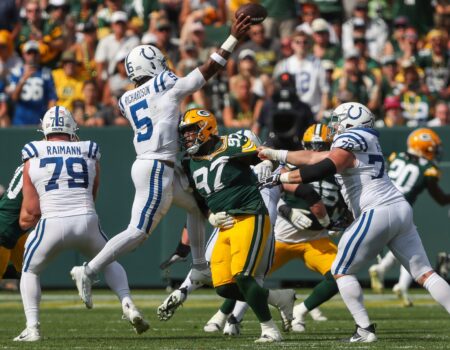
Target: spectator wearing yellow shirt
68,83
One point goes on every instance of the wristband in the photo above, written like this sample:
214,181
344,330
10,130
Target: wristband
284,178
229,44
218,59
325,221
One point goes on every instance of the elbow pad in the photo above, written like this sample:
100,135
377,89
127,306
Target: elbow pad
318,171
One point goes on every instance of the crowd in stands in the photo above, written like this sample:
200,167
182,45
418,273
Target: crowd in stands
303,60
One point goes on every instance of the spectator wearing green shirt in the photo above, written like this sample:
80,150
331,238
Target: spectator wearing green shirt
322,47
281,18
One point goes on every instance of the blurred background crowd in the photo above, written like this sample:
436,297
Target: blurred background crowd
303,60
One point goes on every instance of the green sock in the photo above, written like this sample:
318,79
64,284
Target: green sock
228,306
255,296
324,291
230,291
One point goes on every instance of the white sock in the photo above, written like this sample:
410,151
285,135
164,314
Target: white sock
120,244
439,290
116,279
187,283
239,310
30,289
301,309
404,280
352,295
195,225
387,262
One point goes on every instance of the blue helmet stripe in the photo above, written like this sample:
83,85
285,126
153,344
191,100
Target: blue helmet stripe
56,116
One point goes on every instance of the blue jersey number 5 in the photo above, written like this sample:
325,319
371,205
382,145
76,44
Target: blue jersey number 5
139,123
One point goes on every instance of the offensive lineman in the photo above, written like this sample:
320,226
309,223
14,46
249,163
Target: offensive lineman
153,111
60,181
220,170
412,172
356,159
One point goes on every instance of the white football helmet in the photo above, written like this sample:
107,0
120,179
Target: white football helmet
350,115
251,136
144,61
58,120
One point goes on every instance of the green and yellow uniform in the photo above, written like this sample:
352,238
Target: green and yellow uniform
313,245
226,182
12,238
410,174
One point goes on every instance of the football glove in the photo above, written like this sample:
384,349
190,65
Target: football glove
221,220
299,219
269,182
263,170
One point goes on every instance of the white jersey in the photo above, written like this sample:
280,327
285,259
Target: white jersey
63,174
153,110
366,186
309,78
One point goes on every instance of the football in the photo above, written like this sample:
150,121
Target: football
256,12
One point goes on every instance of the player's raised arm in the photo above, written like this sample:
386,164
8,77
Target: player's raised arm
218,60
30,211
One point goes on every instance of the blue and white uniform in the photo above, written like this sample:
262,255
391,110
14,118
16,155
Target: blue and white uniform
63,174
154,114
382,215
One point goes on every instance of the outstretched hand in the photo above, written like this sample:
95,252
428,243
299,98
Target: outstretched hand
241,26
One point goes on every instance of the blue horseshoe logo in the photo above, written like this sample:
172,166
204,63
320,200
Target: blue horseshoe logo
352,117
142,53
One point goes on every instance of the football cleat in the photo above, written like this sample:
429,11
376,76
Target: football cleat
84,284
376,279
269,333
283,300
363,335
172,302
215,323
232,326
297,326
317,315
132,314
201,275
29,334
402,295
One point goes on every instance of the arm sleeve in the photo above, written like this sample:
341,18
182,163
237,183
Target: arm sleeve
307,193
187,85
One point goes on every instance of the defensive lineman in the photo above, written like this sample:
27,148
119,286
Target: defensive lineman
153,111
60,180
412,172
358,163
220,169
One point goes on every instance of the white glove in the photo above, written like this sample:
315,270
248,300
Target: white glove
334,234
221,220
263,170
299,219
273,154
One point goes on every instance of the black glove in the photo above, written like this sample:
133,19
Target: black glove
269,182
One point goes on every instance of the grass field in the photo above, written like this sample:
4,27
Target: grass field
66,324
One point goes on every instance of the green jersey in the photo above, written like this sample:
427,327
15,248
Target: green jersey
410,174
10,204
225,180
329,192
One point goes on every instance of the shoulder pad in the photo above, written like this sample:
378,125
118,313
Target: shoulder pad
350,141
29,151
93,150
164,81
